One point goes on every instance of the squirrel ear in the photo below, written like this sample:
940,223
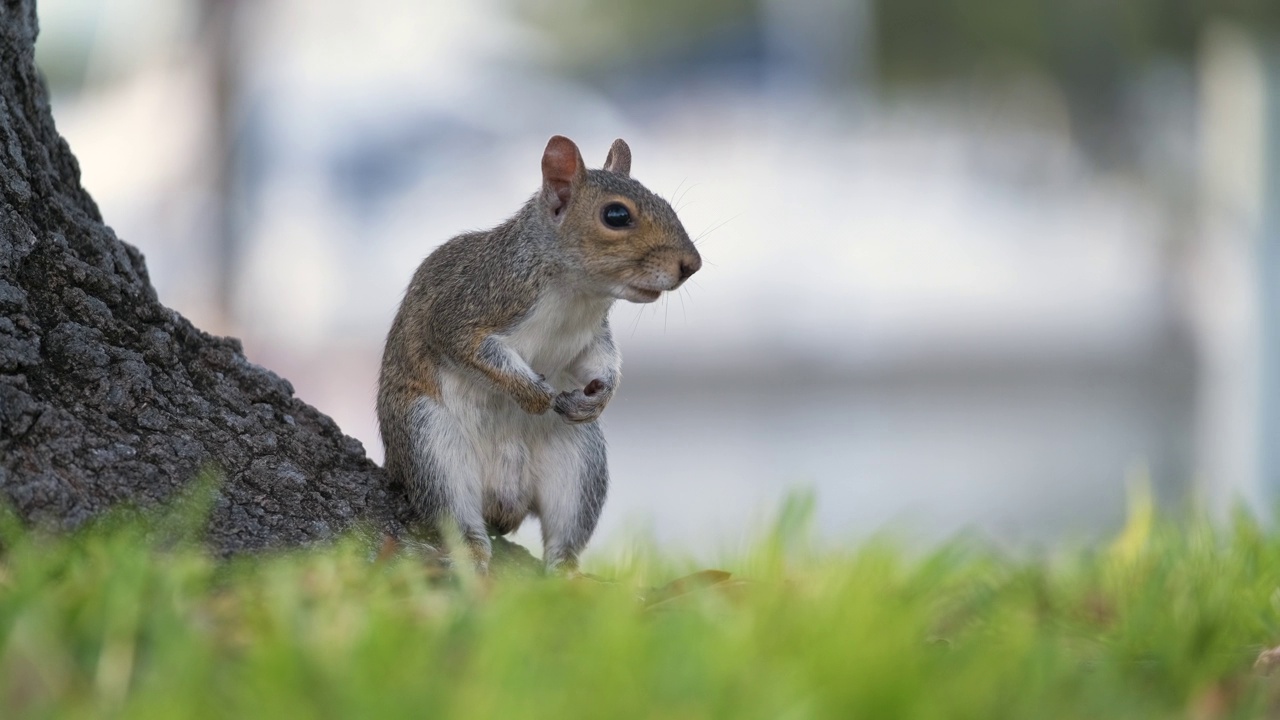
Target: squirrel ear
619,158
561,168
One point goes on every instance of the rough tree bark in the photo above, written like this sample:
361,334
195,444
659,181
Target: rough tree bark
108,397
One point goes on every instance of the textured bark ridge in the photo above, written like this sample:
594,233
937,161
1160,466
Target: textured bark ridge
108,397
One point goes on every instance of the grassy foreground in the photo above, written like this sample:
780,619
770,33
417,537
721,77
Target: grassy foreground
1167,622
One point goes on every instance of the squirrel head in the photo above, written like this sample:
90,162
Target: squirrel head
628,241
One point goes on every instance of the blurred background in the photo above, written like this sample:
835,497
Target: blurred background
970,264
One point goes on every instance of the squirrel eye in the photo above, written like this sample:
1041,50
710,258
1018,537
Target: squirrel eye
616,215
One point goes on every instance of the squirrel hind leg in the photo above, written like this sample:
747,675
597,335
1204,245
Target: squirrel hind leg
443,484
480,548
572,483
426,501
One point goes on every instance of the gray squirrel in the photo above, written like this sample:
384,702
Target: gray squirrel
498,327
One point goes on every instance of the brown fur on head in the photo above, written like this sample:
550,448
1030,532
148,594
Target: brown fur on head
628,241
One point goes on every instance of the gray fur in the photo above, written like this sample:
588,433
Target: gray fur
564,549
498,327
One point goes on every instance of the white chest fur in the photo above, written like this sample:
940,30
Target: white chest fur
556,330
515,462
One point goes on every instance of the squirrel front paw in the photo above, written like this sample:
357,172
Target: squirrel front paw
584,404
538,400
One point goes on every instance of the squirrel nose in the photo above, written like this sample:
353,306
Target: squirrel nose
689,266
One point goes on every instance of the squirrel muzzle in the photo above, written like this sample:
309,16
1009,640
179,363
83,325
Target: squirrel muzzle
629,241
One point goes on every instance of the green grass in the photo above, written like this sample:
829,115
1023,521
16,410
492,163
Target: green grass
122,621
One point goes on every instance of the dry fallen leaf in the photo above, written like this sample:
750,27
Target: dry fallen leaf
681,587
1267,660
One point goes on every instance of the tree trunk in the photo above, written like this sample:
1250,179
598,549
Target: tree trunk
108,397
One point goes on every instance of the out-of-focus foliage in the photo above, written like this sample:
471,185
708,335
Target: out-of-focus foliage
126,622
916,39
596,35
1084,44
